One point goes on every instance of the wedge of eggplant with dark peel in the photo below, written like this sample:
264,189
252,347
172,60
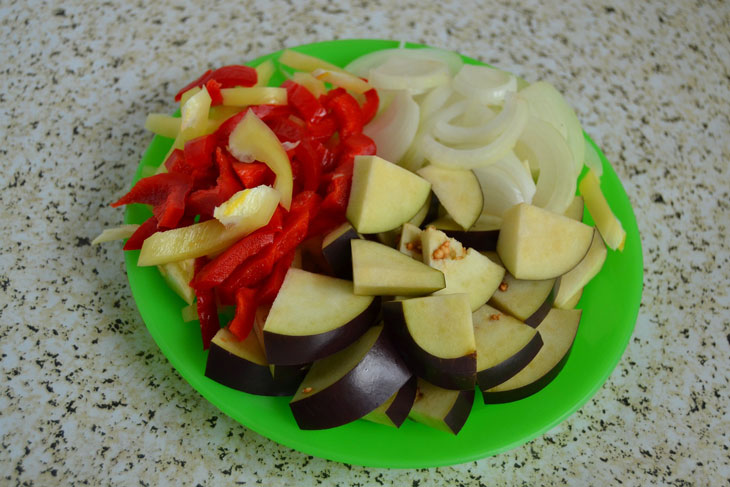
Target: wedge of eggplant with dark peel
482,236
528,301
242,365
435,335
466,270
336,250
314,316
505,346
558,332
443,409
351,383
379,270
394,411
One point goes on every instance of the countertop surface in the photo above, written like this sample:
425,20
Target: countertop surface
87,397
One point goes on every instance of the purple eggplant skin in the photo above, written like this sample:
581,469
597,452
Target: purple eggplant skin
379,374
238,373
460,411
450,373
338,255
505,370
479,240
540,313
403,402
502,397
294,350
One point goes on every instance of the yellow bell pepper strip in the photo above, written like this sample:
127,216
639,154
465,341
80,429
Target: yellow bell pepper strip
343,80
305,62
211,236
608,225
254,95
253,140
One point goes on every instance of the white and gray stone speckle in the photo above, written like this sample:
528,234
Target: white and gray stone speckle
87,397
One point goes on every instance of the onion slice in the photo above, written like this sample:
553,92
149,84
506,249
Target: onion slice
546,150
409,73
362,65
454,134
484,155
547,104
486,85
504,184
393,129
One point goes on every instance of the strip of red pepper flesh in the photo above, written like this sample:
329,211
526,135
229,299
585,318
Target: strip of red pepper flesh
250,273
203,201
134,242
270,287
252,174
199,160
198,82
235,75
214,90
242,323
348,114
217,270
304,102
311,163
370,107
166,192
207,310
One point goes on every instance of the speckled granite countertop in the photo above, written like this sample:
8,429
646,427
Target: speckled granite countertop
87,398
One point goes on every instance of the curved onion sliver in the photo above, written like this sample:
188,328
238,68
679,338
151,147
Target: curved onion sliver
499,191
547,104
473,157
486,85
454,134
408,73
362,65
393,129
545,149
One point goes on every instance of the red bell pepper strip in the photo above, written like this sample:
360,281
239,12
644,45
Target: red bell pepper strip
223,133
250,273
370,107
323,128
356,145
203,201
226,76
217,270
138,237
252,174
198,82
286,129
199,159
214,90
246,303
304,206
310,159
166,192
235,75
176,161
207,310
266,112
348,114
270,287
303,101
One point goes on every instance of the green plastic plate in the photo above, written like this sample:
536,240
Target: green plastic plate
610,305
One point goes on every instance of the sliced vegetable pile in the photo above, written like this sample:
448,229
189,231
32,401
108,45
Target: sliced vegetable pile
395,233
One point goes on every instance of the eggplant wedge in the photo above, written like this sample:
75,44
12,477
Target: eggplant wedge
351,383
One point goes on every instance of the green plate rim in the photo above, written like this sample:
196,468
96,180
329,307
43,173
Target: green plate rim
491,429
